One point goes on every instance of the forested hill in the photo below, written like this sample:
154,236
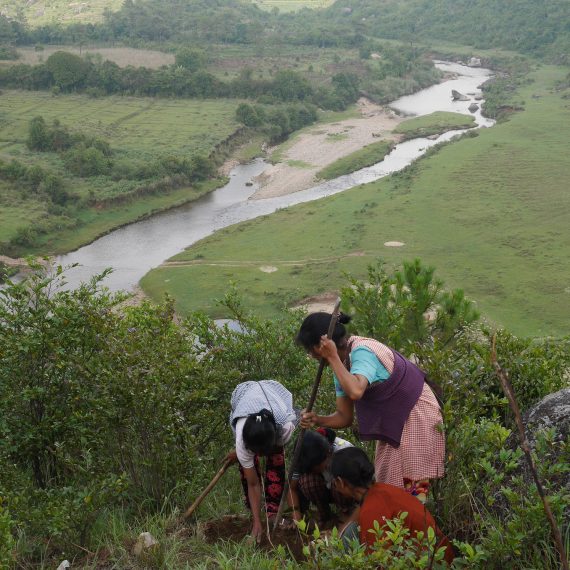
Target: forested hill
541,27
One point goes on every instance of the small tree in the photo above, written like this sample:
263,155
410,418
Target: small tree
247,115
38,135
69,71
190,58
407,306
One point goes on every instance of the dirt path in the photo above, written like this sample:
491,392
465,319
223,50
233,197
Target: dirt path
324,144
264,264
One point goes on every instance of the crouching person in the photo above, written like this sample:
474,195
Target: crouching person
263,421
353,477
311,483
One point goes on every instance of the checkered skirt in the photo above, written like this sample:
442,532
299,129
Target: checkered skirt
421,454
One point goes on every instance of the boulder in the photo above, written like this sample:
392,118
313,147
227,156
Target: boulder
473,108
456,96
478,97
474,62
552,412
144,542
64,565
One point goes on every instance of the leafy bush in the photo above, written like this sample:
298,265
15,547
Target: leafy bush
87,161
69,71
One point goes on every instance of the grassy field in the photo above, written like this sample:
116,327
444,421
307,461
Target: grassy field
433,124
138,130
491,213
367,156
317,64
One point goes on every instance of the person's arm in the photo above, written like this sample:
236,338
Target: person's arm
293,500
353,385
254,494
341,418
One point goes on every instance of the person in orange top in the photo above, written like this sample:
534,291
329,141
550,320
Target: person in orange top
353,477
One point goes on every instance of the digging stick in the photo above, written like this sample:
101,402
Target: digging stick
205,492
309,408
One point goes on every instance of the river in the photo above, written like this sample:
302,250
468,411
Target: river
135,249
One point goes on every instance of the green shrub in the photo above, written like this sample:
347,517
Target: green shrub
87,161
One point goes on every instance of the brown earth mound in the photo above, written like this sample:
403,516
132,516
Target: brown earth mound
235,528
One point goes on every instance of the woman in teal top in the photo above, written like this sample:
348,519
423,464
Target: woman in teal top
366,363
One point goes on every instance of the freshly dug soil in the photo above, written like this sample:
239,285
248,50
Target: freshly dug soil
236,528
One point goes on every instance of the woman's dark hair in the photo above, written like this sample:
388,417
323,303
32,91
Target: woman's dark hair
314,450
329,433
353,465
316,325
261,433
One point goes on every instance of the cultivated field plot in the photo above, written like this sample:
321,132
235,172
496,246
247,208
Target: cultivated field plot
491,213
122,56
317,64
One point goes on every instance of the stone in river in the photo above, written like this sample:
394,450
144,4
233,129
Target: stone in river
473,108
456,96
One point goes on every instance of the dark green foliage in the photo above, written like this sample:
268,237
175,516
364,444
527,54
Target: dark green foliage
538,27
8,52
38,135
191,59
35,179
247,115
105,406
69,71
87,161
277,121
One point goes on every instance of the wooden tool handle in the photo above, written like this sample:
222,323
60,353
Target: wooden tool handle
205,492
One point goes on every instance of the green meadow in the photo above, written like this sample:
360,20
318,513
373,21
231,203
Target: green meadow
366,156
433,124
491,212
139,131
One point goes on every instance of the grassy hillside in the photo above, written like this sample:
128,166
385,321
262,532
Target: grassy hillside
65,11
139,130
292,5
59,11
491,213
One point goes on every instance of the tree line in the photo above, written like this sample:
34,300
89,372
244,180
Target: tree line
67,72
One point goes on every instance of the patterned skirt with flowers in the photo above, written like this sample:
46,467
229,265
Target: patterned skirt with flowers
273,482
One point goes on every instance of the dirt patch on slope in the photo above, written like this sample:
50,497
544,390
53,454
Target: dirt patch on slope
235,528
